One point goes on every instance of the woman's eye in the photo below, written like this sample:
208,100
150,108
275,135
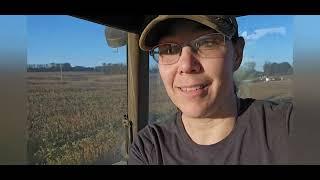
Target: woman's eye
169,49
208,44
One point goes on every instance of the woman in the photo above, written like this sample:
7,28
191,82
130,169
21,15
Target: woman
197,56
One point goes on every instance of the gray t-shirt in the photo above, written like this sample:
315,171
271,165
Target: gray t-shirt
260,136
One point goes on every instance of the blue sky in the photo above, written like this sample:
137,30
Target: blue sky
67,39
79,42
12,33
268,38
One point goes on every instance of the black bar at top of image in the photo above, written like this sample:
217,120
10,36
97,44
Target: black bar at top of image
125,7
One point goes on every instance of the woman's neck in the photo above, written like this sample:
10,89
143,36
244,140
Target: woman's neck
211,130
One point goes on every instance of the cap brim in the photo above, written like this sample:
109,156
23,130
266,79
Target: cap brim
202,19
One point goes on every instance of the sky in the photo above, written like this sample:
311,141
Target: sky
268,38
60,39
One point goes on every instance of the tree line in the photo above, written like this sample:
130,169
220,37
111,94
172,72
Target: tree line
283,68
66,67
246,71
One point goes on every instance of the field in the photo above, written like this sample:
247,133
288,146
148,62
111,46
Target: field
77,119
272,90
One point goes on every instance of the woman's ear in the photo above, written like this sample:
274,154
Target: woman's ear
239,46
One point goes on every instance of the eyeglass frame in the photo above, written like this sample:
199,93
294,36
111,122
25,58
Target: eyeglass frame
190,44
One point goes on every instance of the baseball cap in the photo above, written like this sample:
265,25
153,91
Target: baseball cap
225,24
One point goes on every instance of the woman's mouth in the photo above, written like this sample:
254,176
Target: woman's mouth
194,90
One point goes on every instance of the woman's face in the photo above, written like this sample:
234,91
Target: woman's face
199,86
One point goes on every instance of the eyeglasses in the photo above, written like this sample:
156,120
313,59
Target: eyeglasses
206,46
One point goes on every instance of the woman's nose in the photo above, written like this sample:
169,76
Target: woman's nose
188,62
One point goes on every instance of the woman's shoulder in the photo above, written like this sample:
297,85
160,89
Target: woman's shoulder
159,128
148,139
266,106
272,115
